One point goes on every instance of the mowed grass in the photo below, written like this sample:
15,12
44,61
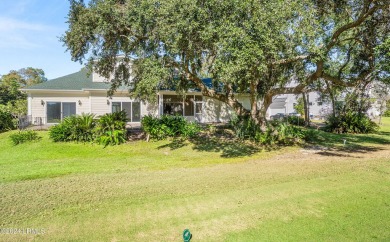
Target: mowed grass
219,189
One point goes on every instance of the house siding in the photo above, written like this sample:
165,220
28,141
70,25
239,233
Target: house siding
217,111
99,104
91,102
39,111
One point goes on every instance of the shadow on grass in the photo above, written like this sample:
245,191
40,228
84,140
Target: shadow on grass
333,154
346,151
384,133
345,145
228,147
360,148
175,144
332,139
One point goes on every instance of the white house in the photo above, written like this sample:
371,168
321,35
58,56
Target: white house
285,104
77,93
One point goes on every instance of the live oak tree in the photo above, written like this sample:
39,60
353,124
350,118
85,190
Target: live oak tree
247,47
354,46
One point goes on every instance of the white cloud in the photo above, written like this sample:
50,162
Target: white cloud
9,24
19,34
17,41
15,7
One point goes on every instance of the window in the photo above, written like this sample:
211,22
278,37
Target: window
116,107
132,109
176,105
136,112
319,103
68,109
310,103
173,105
56,111
189,106
126,106
53,111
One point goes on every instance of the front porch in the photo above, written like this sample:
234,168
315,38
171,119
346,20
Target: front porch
189,106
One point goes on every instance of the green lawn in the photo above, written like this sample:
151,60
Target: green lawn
220,190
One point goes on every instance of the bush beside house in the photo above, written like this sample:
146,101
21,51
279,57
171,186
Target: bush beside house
169,126
109,129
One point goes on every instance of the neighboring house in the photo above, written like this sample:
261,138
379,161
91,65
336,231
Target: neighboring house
285,104
77,93
319,109
379,94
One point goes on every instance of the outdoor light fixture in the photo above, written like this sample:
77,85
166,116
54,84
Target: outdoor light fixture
79,102
108,102
42,102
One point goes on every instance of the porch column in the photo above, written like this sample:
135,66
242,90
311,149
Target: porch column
160,105
29,104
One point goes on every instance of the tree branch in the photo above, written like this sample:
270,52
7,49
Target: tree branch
366,12
289,60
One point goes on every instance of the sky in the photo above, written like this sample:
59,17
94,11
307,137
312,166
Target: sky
29,37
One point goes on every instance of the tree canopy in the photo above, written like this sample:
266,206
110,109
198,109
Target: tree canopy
248,47
10,83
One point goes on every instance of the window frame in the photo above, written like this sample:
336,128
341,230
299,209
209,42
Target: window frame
61,110
131,112
194,100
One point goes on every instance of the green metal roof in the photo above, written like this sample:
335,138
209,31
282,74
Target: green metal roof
74,82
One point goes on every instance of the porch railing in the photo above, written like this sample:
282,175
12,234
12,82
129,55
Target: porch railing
25,121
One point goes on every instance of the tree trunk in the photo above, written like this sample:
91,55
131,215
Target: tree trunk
332,99
253,100
306,108
262,113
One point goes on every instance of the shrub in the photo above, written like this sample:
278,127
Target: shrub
289,134
154,128
60,132
295,120
352,116
82,127
276,132
114,137
244,127
190,130
111,129
24,136
74,128
7,121
168,126
311,135
350,122
281,133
